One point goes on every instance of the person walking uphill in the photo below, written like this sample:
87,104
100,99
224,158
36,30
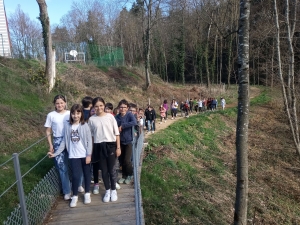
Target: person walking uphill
126,121
174,106
150,115
55,124
106,148
165,105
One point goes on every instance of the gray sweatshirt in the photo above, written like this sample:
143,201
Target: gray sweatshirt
85,138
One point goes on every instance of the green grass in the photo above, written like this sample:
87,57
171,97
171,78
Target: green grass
23,112
172,187
61,68
103,68
261,99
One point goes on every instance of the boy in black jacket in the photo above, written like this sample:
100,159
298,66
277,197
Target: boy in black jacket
150,118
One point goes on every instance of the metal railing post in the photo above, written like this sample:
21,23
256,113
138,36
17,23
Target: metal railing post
20,188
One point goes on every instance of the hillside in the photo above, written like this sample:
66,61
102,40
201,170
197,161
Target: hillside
24,103
189,169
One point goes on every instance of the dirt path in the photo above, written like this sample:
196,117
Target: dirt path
160,126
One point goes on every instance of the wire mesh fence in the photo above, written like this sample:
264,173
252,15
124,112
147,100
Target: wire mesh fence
39,201
93,53
29,185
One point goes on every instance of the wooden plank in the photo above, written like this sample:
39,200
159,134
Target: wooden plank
97,212
75,210
93,218
100,213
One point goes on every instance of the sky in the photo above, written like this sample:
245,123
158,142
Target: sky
56,8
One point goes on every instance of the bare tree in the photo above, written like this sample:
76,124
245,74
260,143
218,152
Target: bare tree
45,21
241,205
288,85
25,35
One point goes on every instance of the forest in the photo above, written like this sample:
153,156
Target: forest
183,41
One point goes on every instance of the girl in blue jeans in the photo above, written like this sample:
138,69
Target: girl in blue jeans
55,125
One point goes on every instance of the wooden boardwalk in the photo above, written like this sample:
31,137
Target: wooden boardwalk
97,212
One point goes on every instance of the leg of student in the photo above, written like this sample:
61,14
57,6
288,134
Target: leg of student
86,168
107,167
116,167
96,168
104,169
76,174
127,160
149,124
111,161
61,164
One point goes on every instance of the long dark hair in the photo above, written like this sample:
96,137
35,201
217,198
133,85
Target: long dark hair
59,97
98,99
76,108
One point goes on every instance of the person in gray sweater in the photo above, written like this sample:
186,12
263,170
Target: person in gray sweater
78,142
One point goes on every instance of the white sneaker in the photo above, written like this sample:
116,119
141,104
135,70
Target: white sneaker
152,132
87,198
106,197
80,189
96,190
74,201
113,196
67,196
128,179
118,187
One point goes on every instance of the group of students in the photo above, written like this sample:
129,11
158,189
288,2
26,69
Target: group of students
200,105
90,137
150,114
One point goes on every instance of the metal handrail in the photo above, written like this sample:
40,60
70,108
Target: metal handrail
137,150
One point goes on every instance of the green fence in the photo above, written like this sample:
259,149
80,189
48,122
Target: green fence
96,54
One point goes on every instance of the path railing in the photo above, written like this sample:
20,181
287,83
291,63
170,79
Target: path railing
138,147
34,207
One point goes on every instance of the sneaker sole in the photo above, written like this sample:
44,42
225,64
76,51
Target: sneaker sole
114,200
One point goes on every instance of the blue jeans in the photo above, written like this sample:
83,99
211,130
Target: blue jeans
79,167
150,125
61,164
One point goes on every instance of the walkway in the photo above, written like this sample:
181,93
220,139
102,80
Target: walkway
97,212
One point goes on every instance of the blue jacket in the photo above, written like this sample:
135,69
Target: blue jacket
127,122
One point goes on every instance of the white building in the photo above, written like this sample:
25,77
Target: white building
5,44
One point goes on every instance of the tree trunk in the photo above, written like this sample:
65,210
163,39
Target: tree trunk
206,55
45,21
221,60
213,63
241,201
147,44
230,39
181,53
289,96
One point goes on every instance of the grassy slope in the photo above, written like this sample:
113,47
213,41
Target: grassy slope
188,175
24,106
